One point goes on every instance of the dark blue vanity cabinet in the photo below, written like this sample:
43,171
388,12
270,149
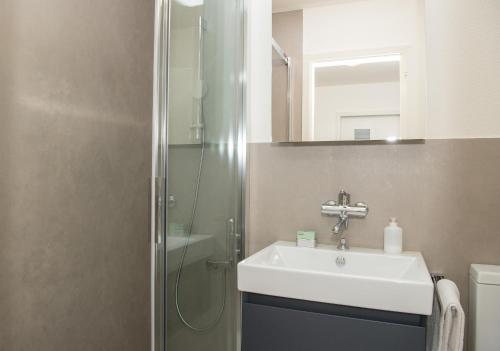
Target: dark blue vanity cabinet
279,324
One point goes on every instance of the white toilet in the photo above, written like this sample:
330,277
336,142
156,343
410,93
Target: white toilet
484,308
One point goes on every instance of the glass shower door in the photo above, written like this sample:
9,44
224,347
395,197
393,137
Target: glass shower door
202,195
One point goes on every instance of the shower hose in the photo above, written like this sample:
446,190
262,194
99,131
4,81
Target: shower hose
178,278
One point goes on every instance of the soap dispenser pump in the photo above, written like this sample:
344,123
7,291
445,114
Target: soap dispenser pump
393,237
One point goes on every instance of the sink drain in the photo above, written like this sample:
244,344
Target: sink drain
340,261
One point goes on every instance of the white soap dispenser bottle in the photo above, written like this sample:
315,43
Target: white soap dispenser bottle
393,238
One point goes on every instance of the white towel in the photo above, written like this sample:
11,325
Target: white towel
451,319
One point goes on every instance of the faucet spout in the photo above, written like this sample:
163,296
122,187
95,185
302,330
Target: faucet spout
342,224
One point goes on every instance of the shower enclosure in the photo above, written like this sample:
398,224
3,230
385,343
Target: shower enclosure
198,168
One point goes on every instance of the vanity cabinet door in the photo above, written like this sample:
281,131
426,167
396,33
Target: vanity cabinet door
269,328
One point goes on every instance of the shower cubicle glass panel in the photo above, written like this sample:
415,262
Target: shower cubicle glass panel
197,305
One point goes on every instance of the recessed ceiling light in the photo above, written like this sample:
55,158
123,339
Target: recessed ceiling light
191,3
359,61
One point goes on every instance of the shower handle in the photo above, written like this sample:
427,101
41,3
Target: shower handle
230,238
232,248
156,222
235,248
234,238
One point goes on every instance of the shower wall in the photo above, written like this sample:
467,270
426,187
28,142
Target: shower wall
75,128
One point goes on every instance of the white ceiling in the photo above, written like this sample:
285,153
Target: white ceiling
290,5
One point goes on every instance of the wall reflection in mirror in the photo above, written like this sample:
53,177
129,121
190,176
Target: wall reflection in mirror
361,75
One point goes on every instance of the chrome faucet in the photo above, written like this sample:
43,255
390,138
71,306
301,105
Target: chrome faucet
343,210
342,224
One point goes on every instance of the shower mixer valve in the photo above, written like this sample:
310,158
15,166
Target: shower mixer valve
343,209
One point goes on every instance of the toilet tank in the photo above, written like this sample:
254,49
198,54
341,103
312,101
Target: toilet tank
484,308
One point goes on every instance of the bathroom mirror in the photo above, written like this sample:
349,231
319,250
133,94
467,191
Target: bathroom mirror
348,71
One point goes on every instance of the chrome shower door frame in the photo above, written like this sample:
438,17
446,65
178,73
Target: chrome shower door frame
159,176
287,60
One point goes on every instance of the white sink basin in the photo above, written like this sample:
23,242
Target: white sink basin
368,279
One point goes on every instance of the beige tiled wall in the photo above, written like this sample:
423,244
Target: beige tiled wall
75,112
445,194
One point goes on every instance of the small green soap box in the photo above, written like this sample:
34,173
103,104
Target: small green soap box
306,238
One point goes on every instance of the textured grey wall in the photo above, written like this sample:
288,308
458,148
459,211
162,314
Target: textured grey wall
75,112
445,194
